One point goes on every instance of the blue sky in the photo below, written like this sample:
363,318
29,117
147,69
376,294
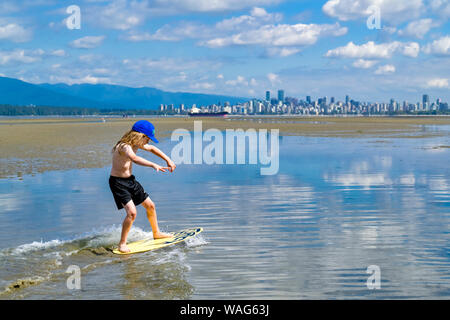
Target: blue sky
372,50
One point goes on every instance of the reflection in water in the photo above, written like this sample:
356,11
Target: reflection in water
363,174
336,207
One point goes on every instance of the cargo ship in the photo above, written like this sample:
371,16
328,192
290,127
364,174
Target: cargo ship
209,114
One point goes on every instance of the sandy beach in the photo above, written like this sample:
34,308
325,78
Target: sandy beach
37,145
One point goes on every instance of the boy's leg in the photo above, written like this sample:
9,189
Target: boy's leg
131,211
151,215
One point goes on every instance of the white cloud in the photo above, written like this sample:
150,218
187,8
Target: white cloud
138,37
392,12
440,83
126,15
259,28
371,50
171,78
279,35
202,85
194,30
410,49
90,58
282,52
27,56
259,12
209,5
38,52
273,78
14,32
92,80
257,17
102,71
441,8
78,80
19,56
389,30
87,42
439,47
169,32
364,64
58,53
386,69
240,81
120,14
418,29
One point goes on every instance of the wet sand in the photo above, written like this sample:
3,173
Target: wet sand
36,145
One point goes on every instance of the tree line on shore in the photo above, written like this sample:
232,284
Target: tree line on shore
10,110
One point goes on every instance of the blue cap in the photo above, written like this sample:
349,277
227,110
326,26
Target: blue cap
145,127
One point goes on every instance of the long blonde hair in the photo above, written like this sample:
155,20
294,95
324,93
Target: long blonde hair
132,138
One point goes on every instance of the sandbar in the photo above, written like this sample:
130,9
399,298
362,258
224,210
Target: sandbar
35,145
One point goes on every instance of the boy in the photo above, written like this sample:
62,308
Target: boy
127,192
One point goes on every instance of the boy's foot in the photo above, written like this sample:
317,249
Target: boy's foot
162,235
123,248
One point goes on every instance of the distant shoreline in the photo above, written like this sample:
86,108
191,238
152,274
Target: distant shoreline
120,116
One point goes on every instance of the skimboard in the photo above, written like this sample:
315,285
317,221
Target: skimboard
151,244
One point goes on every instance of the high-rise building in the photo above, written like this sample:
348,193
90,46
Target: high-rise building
347,99
425,99
308,99
267,95
281,95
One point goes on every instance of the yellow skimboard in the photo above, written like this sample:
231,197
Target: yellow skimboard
151,244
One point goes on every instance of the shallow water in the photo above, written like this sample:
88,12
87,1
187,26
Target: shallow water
336,207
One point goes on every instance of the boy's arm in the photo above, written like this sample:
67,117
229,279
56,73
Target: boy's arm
160,154
141,161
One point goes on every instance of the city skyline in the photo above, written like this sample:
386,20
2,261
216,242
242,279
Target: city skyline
369,48
347,97
321,106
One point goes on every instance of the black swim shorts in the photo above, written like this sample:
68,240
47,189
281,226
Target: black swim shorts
126,189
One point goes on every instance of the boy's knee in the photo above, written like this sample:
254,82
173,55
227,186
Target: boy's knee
150,205
131,214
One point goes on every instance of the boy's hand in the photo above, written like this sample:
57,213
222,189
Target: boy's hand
171,165
159,168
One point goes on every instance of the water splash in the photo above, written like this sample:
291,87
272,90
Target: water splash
43,262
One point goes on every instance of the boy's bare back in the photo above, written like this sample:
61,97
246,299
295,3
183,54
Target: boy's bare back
121,162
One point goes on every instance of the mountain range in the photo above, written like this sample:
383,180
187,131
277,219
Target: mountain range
100,96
